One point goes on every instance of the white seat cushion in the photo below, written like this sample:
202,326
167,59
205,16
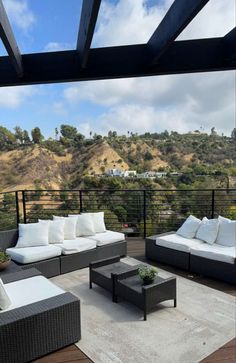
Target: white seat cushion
107,237
33,254
31,290
215,252
176,242
76,245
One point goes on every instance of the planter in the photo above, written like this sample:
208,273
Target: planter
148,281
4,265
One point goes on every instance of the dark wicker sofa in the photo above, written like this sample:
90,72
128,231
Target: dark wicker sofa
39,328
65,263
186,261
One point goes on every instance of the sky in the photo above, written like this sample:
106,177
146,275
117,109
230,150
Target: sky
181,103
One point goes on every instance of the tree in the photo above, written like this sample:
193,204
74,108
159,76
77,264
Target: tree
148,156
213,131
56,133
37,137
7,139
19,134
233,134
26,138
69,132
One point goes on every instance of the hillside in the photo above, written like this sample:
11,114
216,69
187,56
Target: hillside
32,167
200,159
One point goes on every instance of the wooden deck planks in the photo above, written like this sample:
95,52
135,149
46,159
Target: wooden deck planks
136,249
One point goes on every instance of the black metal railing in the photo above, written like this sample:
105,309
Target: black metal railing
136,212
9,213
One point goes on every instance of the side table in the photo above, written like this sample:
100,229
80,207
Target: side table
102,272
128,286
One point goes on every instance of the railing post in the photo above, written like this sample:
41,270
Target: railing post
17,208
144,215
80,201
213,204
24,208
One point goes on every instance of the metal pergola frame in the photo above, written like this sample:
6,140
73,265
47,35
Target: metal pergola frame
161,55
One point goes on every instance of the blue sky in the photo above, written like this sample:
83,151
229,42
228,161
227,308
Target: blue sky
182,103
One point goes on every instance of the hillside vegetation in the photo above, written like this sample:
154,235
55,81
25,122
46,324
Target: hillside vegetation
72,161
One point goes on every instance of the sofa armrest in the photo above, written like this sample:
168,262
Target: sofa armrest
37,329
20,275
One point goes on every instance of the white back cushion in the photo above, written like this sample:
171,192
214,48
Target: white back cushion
208,230
98,221
84,225
189,227
5,301
227,232
32,234
69,226
56,230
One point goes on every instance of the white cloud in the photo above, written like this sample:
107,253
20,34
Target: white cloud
13,97
215,20
127,22
175,102
59,108
56,46
19,13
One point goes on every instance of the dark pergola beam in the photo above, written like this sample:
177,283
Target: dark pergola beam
89,14
9,41
190,56
229,41
176,19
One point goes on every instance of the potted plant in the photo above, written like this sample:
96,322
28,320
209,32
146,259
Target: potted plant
4,260
147,274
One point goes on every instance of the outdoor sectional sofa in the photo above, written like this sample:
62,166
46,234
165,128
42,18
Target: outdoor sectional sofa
53,260
42,317
193,255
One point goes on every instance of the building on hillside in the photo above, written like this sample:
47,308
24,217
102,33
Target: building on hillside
114,172
129,173
151,175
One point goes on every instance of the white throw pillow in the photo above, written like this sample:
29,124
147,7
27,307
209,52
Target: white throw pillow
69,226
5,301
32,234
84,225
208,230
56,230
227,232
98,221
189,227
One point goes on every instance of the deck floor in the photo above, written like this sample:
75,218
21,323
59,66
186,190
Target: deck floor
136,248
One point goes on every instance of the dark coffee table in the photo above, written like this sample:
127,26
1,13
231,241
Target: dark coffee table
104,271
128,286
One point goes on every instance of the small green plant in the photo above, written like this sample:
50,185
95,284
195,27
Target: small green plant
147,274
4,257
